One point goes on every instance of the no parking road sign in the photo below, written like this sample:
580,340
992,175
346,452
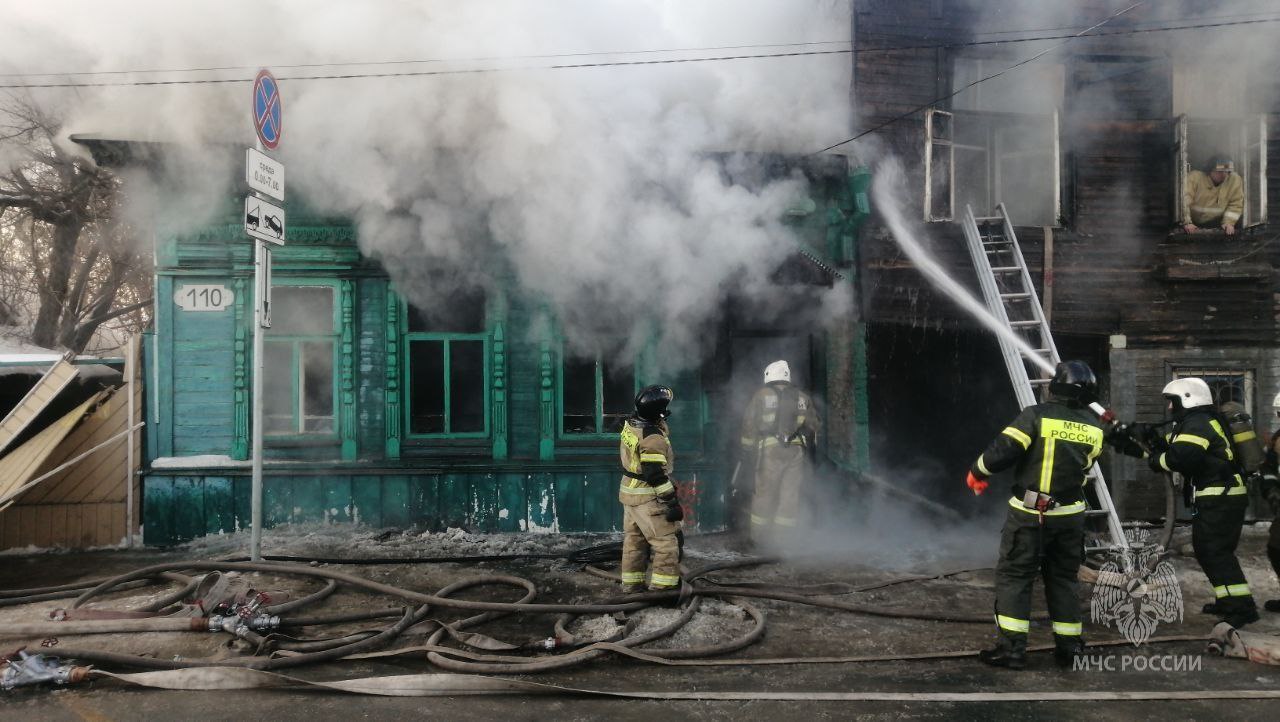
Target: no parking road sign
267,113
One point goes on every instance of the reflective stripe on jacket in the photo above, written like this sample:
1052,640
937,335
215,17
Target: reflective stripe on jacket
1050,447
1200,451
645,451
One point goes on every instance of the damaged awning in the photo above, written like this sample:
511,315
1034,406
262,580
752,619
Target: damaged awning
57,378
19,466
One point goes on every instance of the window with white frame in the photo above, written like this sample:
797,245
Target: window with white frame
999,144
1198,140
298,352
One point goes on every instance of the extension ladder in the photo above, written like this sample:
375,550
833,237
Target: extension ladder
1012,299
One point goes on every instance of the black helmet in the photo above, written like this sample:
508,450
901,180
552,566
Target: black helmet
652,401
1074,381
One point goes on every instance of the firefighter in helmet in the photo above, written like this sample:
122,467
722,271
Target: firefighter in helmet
651,514
1270,489
779,435
1050,447
1199,448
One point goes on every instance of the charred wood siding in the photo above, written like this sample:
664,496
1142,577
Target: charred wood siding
1115,270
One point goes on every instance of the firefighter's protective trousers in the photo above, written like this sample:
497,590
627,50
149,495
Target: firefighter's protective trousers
1052,552
779,475
1215,534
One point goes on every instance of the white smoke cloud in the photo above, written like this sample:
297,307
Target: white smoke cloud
591,185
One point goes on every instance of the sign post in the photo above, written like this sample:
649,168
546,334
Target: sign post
265,223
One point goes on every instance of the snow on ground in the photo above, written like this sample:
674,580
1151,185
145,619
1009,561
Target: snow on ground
348,540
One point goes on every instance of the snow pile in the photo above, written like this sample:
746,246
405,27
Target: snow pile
715,622
341,540
597,628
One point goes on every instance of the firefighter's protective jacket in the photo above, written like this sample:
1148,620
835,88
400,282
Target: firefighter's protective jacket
1050,447
779,414
647,462
1203,203
1200,450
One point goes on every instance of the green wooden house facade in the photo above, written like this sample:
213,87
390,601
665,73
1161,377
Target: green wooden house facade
380,413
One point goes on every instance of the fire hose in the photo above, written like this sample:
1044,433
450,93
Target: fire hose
300,652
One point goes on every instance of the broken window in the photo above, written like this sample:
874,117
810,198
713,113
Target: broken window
1198,140
597,391
1000,144
298,354
448,367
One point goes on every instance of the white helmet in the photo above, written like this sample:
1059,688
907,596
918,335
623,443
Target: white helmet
1191,392
777,371
1275,403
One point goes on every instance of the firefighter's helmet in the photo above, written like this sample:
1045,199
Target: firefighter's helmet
1187,393
1074,381
777,371
652,402
1275,403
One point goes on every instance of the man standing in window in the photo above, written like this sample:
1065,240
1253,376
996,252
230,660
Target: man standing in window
650,512
779,435
1050,448
1213,198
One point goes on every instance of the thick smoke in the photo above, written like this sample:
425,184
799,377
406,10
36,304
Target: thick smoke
592,187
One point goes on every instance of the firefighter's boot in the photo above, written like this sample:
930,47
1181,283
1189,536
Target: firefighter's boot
1010,653
1066,650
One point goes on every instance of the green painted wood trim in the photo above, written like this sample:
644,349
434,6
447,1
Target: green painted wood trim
308,234
347,384
392,383
548,422
240,372
861,408
165,364
498,382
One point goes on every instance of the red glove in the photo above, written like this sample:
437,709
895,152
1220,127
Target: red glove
975,484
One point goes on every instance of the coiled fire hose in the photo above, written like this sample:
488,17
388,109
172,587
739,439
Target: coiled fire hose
276,651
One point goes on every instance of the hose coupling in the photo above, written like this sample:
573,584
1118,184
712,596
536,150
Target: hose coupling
32,669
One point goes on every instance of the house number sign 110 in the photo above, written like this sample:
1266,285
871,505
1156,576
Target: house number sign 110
203,298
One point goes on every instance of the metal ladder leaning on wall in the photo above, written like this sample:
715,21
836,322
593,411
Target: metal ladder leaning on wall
1012,299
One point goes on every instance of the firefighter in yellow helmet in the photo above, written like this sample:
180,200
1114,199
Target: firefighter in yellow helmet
651,514
1213,198
779,434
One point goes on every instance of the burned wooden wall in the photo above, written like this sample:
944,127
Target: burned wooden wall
1114,267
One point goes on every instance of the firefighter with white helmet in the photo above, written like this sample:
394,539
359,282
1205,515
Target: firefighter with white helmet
1270,489
1200,449
779,433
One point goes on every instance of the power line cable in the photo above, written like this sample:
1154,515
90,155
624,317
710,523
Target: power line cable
374,63
1254,18
622,63
996,74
